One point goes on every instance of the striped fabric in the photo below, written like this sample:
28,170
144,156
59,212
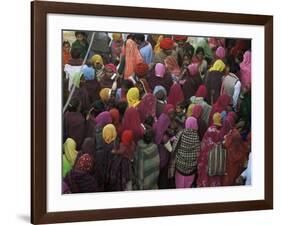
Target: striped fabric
217,161
146,166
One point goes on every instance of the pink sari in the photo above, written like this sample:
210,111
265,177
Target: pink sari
245,70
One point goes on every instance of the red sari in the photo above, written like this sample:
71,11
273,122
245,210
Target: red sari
211,137
237,155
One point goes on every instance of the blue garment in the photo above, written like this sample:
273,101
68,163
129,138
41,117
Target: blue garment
88,72
147,53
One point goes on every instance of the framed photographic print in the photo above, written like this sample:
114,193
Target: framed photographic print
144,112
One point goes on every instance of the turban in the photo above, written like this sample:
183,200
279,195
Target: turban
111,66
180,38
105,94
167,43
141,70
97,59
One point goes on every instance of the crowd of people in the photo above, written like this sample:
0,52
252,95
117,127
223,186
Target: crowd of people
146,112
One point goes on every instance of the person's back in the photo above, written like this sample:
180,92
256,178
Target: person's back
146,164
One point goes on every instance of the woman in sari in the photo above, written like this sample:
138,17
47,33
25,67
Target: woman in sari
116,121
186,147
161,139
106,80
191,81
245,70
237,156
172,66
74,122
69,155
147,107
116,47
79,179
176,95
131,121
159,76
133,97
160,94
213,81
200,98
210,139
132,58
127,145
197,112
102,120
222,104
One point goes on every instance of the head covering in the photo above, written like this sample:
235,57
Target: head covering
180,38
167,108
97,59
218,66
141,70
204,44
103,119
202,91
116,36
70,150
197,111
176,95
190,110
167,43
161,126
160,88
191,123
220,52
115,115
109,133
245,70
88,72
131,121
105,94
217,119
147,107
84,163
127,137
111,66
160,70
193,69
172,65
157,47
222,102
89,145
133,96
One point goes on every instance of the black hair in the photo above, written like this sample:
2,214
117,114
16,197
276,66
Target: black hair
127,83
148,136
122,106
97,107
149,120
200,50
76,52
188,50
65,43
232,64
73,105
80,32
139,37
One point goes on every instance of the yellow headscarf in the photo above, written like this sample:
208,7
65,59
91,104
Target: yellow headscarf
70,150
157,46
105,94
217,119
116,36
218,66
189,110
97,59
109,133
133,96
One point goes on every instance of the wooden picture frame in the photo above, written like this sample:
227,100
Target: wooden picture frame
39,194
